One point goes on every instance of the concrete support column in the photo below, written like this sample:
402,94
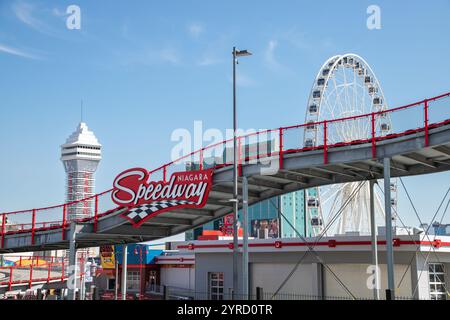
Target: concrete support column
124,272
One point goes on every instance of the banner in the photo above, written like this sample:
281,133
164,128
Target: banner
145,198
107,258
264,228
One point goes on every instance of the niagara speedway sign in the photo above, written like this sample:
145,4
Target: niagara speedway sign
144,198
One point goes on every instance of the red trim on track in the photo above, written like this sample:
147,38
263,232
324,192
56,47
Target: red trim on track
330,243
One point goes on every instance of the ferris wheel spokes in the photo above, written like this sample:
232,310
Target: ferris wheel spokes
345,86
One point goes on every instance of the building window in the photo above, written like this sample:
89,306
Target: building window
437,281
111,284
215,285
133,280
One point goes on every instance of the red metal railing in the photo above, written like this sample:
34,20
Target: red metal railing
416,117
28,270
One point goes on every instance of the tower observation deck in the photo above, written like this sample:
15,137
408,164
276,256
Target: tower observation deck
80,155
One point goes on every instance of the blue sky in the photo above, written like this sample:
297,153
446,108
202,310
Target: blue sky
145,68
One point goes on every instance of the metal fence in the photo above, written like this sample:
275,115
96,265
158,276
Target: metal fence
175,293
30,270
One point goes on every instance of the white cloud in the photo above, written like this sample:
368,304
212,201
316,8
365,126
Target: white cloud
271,59
149,57
169,55
26,13
269,56
195,30
58,13
297,39
208,61
17,52
243,80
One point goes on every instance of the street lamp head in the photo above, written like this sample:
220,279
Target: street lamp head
243,53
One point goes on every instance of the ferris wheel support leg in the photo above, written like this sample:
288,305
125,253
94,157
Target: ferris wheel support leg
390,292
373,229
73,268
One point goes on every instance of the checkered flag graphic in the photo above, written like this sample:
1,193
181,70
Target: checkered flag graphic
139,213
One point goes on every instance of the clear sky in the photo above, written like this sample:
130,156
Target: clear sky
146,68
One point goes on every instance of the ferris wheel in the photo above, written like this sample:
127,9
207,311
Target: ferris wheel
345,86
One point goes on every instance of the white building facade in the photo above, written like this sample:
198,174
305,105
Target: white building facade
340,268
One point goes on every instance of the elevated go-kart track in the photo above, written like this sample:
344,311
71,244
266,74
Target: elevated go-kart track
417,143
25,272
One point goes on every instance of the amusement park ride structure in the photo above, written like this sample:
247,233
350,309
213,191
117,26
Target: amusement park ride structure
348,136
420,149
345,86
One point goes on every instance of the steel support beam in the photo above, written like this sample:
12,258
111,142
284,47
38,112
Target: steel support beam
123,283
395,165
442,149
421,160
260,181
296,177
116,284
229,191
245,239
203,212
336,171
169,221
73,266
390,292
309,173
373,229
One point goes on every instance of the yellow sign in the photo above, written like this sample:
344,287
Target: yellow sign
107,257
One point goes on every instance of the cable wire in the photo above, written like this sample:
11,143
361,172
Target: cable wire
347,201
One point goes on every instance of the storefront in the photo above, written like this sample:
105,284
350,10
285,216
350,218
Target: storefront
142,271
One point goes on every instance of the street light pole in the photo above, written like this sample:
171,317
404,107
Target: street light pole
235,184
236,54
